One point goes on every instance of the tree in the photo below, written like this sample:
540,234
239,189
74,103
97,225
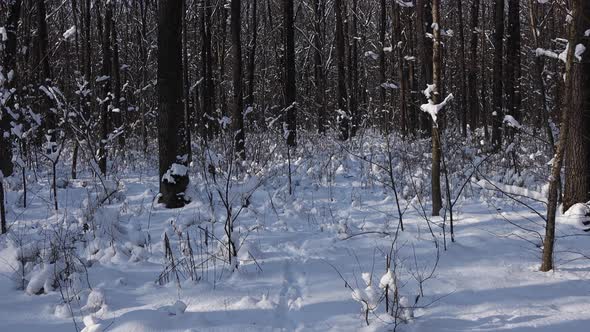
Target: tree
473,102
8,64
208,87
353,77
290,86
318,58
237,100
577,154
498,114
463,70
341,94
383,114
171,128
513,70
436,90
106,81
571,101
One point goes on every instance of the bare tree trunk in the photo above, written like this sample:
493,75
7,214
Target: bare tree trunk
237,100
436,81
577,154
539,68
9,63
116,88
462,68
383,114
208,93
473,102
353,68
171,127
252,55
572,92
498,114
106,73
424,22
513,71
290,74
188,118
341,94
401,71
319,73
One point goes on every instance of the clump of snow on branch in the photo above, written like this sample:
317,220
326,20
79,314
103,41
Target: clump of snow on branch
432,108
69,33
511,121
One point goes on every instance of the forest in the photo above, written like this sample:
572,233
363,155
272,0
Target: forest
294,165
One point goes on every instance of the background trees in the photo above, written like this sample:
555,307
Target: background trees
336,67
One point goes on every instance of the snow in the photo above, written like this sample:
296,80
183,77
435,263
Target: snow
372,55
434,109
69,34
309,261
3,34
388,85
175,170
387,280
511,121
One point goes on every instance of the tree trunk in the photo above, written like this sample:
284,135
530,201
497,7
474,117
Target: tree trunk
473,102
577,154
188,118
572,92
341,94
401,71
353,68
463,70
513,71
252,55
171,128
424,22
383,114
290,74
237,100
117,110
498,114
319,73
208,107
106,73
9,63
436,81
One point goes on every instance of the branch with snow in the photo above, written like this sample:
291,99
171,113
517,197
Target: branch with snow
432,108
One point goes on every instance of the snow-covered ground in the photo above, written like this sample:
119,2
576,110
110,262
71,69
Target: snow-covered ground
301,257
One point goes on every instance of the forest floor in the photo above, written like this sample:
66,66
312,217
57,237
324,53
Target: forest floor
300,258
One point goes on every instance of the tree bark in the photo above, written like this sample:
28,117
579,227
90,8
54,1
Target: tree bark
237,100
353,68
473,102
574,36
171,127
290,73
319,73
498,114
436,81
341,94
462,67
513,69
9,63
577,154
106,72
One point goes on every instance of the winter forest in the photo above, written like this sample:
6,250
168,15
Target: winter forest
294,165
